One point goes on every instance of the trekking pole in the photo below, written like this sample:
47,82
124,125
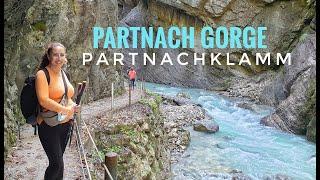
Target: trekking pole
34,132
80,90
72,123
19,130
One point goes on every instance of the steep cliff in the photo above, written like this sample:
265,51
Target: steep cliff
289,24
296,113
30,25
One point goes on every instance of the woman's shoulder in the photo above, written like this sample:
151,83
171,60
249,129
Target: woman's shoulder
40,73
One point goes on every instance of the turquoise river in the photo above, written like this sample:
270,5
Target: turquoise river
242,144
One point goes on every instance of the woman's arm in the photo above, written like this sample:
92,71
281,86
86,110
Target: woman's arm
75,108
42,91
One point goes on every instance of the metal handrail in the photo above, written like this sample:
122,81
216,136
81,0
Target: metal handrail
80,156
82,149
95,147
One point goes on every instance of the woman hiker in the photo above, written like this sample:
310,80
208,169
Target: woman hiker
53,133
132,76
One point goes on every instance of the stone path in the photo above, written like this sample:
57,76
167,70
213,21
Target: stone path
27,160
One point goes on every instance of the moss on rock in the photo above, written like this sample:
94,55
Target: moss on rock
308,112
39,26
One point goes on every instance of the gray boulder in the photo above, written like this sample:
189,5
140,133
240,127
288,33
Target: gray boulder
208,127
183,95
177,100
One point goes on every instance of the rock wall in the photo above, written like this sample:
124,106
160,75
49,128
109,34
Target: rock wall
285,21
137,135
288,24
296,113
30,25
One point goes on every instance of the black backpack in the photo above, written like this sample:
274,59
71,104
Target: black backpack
29,104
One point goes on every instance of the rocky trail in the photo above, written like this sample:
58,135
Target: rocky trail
27,160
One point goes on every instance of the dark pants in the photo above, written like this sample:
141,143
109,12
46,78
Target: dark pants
132,83
54,142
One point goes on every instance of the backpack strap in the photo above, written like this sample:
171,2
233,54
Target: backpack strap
64,83
67,74
46,72
40,108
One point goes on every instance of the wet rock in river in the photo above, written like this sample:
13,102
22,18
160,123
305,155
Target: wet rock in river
245,105
277,177
240,176
183,95
208,127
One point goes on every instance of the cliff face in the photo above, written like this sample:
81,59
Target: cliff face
30,25
286,21
296,113
290,28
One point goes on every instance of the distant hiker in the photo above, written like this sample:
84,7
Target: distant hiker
51,93
132,76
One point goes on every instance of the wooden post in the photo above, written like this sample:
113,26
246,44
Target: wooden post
140,89
112,90
111,161
130,96
78,119
142,83
143,88
19,130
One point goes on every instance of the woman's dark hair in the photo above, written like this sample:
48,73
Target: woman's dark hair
45,57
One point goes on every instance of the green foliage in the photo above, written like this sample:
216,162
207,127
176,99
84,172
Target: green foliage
158,99
39,26
119,91
149,93
143,101
303,36
74,6
114,148
99,154
151,103
155,95
128,131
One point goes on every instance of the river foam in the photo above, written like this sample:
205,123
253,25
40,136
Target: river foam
242,143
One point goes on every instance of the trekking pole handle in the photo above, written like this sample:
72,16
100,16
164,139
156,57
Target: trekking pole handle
80,89
80,92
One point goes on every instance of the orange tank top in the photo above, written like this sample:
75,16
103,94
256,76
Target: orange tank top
56,87
132,74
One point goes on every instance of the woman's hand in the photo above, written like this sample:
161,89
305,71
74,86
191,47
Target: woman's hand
70,112
76,108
